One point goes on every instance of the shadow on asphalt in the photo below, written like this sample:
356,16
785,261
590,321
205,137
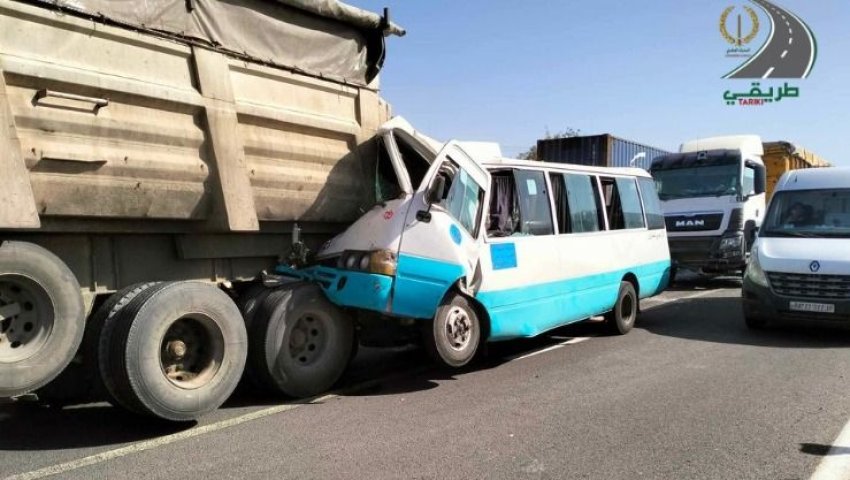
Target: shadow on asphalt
720,320
696,282
822,450
33,427
493,355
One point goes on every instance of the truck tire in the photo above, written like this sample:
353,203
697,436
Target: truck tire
250,300
621,319
176,351
82,381
453,336
42,317
300,342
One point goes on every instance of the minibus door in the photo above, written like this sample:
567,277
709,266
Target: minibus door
441,240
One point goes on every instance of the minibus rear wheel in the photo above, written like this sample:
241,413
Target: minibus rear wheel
622,318
453,336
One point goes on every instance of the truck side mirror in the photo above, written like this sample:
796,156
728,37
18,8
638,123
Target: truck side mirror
436,190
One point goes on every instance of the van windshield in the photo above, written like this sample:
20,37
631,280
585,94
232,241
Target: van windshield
809,213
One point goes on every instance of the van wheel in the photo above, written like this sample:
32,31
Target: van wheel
82,381
453,336
176,351
622,318
300,342
42,317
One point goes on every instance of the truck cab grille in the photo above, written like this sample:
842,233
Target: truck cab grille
810,285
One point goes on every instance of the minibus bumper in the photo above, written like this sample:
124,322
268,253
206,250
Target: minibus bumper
350,289
760,301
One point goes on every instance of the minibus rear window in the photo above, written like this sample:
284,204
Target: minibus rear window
651,204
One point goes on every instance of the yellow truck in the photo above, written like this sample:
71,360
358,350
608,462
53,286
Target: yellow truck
781,157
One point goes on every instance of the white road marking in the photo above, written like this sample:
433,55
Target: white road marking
790,40
783,54
768,72
574,340
836,463
187,434
787,23
571,341
154,443
791,31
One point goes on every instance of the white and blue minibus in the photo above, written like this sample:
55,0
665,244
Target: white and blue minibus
466,247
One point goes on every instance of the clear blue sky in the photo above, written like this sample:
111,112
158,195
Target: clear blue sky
649,71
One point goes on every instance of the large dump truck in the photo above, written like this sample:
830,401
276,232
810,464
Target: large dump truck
781,157
155,158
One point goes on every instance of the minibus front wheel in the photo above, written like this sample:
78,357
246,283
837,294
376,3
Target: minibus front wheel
453,336
621,319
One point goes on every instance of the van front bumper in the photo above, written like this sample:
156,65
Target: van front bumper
762,302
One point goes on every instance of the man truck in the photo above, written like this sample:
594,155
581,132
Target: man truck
714,193
713,196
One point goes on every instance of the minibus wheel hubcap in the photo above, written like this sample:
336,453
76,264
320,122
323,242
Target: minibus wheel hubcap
458,328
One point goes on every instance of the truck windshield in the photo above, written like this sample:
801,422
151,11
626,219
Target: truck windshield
697,181
809,213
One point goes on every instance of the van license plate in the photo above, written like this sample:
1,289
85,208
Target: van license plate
813,307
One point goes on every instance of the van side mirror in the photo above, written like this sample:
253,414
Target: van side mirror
436,190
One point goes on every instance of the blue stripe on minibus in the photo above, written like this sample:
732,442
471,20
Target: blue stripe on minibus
530,310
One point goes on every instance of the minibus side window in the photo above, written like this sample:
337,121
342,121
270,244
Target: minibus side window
612,204
582,203
630,203
463,197
562,206
651,203
535,209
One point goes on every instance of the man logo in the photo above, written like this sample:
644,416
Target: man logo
814,266
689,223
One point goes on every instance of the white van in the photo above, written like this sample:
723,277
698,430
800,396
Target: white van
473,247
800,263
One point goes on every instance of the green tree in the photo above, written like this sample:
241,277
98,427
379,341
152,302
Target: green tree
531,153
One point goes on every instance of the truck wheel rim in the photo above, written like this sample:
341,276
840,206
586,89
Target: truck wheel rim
26,318
308,339
192,351
458,328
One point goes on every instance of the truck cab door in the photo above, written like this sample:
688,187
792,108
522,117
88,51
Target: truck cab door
441,241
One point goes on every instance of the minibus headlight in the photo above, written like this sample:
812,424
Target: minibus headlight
364,261
350,260
384,262
754,271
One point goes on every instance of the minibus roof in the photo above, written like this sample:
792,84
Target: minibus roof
815,179
513,162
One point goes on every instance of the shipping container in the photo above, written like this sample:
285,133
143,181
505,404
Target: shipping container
781,157
598,150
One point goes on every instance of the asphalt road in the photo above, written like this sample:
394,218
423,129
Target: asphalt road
789,53
690,393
